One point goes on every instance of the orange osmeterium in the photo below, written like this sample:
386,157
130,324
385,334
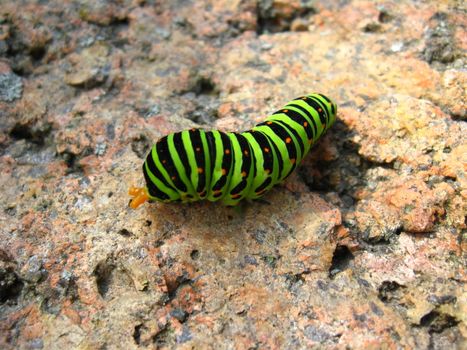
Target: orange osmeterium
139,194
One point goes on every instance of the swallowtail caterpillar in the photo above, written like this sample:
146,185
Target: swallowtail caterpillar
195,164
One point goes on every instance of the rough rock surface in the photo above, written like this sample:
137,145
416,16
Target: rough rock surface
363,247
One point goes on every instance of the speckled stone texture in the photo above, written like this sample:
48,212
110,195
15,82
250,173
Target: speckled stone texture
361,248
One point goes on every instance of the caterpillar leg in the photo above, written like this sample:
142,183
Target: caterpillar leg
240,208
139,194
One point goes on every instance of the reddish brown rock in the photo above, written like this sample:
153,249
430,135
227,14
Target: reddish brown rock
90,67
362,247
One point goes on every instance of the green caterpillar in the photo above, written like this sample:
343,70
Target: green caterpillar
195,164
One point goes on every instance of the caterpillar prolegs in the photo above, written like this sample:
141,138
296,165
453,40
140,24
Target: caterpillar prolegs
195,164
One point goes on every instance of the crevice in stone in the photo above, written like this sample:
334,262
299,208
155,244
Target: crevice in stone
385,16
141,145
103,274
194,254
179,283
137,334
275,20
295,280
125,233
27,132
11,285
341,260
202,100
162,337
440,47
204,86
389,290
437,322
71,161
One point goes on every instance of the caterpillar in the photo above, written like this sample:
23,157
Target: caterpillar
195,164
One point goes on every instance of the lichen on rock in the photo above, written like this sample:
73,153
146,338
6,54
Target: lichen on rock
11,87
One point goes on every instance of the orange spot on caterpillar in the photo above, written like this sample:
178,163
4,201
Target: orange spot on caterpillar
198,149
227,151
243,173
269,123
288,140
224,171
200,170
174,177
285,110
164,161
245,152
267,171
305,124
292,160
266,149
236,195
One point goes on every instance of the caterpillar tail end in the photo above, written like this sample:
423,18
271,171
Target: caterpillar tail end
139,194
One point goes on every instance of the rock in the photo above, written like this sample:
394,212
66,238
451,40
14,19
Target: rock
451,95
102,13
361,247
11,87
279,16
90,67
10,285
299,25
416,205
440,44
